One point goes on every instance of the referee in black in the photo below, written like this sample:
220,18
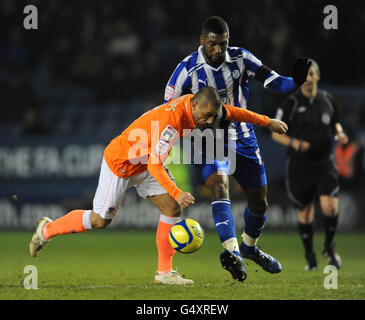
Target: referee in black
311,172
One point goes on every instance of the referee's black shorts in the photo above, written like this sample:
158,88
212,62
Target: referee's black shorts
305,182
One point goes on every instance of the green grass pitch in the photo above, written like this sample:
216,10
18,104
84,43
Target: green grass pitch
121,265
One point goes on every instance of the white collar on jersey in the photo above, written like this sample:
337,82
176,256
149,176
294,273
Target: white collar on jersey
201,58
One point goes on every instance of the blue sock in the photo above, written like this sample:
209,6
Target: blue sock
253,228
223,220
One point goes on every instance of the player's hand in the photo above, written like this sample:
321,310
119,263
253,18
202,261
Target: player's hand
342,138
277,126
300,145
300,70
185,199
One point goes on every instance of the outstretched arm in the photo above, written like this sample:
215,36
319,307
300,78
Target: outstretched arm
283,84
243,115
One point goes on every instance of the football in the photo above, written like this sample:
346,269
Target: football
186,235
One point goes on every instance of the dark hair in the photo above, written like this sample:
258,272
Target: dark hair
209,95
215,25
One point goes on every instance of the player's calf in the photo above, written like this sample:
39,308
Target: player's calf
97,222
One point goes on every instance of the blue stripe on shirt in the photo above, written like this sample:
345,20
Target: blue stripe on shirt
220,83
176,73
232,67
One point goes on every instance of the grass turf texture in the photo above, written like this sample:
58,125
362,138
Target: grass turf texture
120,265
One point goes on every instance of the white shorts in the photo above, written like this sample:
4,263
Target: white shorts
111,190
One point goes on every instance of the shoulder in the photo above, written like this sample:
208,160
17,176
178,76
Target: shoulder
294,97
325,94
291,101
175,108
189,62
238,52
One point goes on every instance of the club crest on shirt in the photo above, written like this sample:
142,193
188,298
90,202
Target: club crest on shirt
236,74
302,109
326,118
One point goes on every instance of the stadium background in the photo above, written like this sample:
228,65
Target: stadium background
92,67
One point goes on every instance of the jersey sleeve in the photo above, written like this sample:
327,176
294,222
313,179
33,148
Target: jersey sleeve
178,83
243,115
161,144
251,62
268,77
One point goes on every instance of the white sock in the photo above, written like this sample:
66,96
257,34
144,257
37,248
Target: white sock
169,220
86,220
231,244
249,241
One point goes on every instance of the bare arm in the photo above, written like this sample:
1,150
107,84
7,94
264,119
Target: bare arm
244,115
340,136
285,140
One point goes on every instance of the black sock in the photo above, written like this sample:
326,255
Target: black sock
330,227
306,234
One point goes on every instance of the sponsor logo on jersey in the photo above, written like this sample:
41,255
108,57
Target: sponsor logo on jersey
167,138
169,133
162,147
169,92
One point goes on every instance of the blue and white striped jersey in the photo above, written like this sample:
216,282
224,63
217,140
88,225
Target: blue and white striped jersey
230,79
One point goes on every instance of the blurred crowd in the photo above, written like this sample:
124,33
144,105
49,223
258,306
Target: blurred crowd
117,50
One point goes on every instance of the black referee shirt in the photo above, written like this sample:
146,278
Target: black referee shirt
311,120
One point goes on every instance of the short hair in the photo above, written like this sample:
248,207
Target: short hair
314,64
215,25
210,95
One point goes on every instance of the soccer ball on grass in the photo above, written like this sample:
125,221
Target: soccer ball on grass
186,235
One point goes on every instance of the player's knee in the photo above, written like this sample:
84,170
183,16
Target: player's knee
258,206
171,209
218,187
174,211
330,209
98,222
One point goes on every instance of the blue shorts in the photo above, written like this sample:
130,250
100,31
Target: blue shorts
249,172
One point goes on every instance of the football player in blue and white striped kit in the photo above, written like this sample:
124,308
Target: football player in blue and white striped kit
228,69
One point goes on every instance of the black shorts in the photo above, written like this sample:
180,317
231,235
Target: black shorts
305,182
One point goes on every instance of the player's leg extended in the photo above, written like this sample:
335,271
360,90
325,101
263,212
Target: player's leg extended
108,196
305,218
217,182
170,214
251,176
329,207
73,222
